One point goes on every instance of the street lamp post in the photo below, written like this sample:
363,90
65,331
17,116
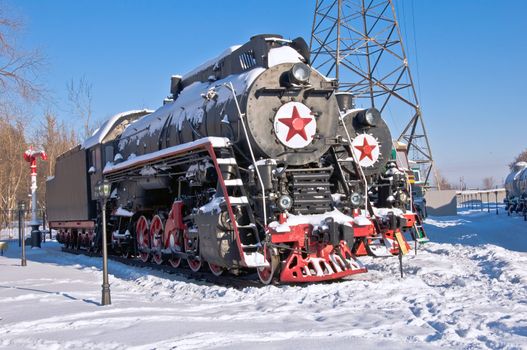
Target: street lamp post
102,192
31,156
21,232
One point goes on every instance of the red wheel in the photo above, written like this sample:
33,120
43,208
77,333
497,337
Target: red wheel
156,239
193,262
266,274
143,238
173,238
144,256
215,269
175,262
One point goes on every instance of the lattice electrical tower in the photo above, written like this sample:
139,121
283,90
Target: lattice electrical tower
359,43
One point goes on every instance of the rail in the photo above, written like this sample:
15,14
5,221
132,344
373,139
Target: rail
354,157
475,199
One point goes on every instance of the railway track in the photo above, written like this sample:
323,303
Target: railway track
226,279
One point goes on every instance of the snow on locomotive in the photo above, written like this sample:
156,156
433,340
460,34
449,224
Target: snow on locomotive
253,162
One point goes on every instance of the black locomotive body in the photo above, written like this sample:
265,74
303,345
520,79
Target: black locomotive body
253,161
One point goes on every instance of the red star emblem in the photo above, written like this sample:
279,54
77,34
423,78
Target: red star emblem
365,150
296,124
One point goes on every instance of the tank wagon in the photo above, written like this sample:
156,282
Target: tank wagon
254,162
516,190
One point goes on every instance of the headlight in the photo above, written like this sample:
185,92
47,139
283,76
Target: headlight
300,73
369,117
355,199
285,202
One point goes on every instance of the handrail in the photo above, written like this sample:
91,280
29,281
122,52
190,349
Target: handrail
341,117
240,115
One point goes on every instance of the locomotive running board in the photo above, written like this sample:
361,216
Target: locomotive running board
159,157
207,146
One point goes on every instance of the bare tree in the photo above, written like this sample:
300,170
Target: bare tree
489,183
80,99
14,179
56,138
18,68
442,182
522,157
462,184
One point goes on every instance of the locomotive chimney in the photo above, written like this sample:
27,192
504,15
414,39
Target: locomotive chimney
175,85
345,100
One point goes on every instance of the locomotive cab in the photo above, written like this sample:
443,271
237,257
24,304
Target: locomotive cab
100,147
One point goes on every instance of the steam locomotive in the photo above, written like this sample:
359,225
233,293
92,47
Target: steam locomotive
254,161
516,190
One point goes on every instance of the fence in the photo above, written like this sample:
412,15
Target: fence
484,200
9,221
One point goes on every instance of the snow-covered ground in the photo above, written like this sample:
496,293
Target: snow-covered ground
467,289
475,227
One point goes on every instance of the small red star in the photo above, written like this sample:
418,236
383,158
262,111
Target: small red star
296,125
365,150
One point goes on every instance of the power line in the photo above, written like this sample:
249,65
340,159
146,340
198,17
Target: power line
371,62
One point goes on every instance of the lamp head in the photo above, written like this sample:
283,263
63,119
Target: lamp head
106,188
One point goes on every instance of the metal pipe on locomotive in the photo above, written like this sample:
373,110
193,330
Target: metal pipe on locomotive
253,162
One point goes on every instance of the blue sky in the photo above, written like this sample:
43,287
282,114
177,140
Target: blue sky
471,57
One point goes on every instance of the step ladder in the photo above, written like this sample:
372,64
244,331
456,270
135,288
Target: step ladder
243,219
418,232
